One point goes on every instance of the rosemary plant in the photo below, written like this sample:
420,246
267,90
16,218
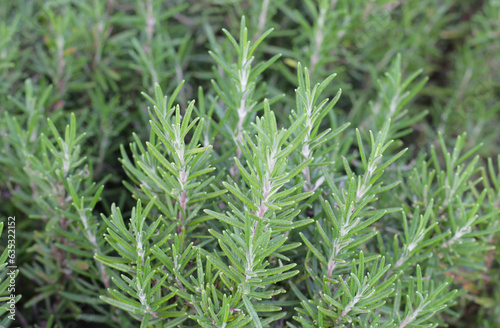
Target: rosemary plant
303,172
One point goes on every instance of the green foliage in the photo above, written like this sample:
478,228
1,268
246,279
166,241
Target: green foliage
333,164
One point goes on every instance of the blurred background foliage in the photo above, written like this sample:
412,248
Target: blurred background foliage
96,57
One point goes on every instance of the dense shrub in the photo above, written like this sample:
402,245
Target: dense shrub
249,163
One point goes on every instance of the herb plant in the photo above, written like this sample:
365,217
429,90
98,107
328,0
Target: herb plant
300,173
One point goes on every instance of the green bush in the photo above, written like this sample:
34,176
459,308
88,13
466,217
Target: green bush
249,163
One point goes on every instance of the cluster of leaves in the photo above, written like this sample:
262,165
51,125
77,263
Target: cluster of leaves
253,205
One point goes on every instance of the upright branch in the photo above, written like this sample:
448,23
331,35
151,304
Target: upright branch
172,168
241,95
262,213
